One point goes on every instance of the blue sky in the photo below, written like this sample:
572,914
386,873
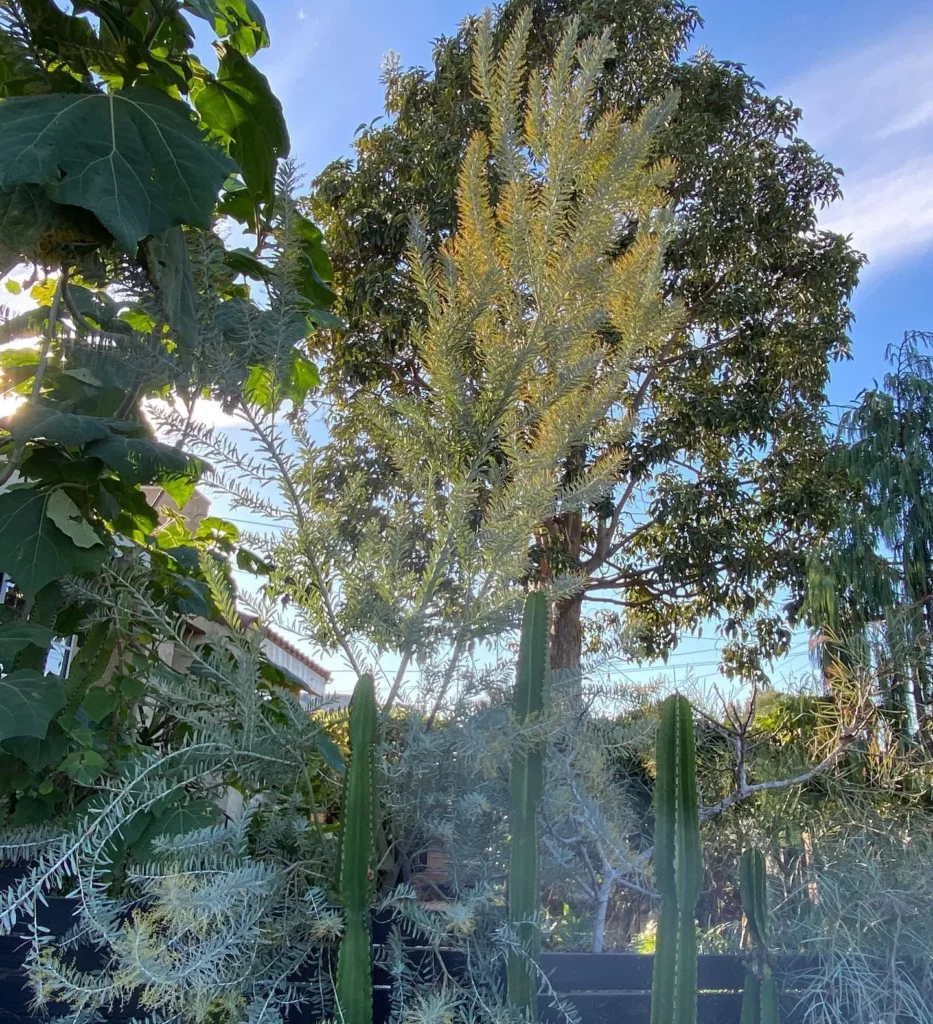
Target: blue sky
862,71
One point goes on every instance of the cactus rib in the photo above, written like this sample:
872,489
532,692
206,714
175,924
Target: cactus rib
357,851
532,686
760,1003
678,859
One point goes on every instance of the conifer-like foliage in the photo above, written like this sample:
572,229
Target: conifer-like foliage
532,320
718,493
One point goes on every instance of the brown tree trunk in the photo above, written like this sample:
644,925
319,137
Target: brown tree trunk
567,635
567,623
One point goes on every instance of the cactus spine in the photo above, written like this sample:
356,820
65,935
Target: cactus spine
678,861
356,861
760,999
532,687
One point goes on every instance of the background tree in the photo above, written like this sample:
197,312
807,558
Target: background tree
717,488
871,581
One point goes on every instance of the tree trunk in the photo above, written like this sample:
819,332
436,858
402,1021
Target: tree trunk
567,624
567,638
602,909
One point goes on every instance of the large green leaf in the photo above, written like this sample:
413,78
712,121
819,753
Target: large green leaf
315,272
267,387
135,158
169,267
84,766
177,821
66,515
28,702
34,550
14,636
140,460
69,429
242,261
33,227
24,326
240,105
239,20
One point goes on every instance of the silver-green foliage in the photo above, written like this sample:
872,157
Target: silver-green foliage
678,863
519,305
201,919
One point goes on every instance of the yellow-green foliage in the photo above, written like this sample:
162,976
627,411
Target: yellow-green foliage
534,315
534,312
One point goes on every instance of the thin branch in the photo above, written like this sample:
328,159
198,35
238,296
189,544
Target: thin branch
748,791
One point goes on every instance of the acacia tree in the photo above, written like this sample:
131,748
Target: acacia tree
531,326
717,487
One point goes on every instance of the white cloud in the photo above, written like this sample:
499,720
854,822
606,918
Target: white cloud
889,213
207,413
870,111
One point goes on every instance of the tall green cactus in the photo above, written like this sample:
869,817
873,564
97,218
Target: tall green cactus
532,686
357,859
760,1000
678,862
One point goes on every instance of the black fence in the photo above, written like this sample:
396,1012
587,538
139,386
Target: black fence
615,988
609,988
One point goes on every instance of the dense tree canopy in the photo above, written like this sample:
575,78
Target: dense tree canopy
871,579
717,494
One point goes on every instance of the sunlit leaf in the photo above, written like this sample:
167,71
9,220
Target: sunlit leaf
134,158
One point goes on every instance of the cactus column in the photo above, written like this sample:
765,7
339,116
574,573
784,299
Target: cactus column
356,862
678,863
760,999
532,687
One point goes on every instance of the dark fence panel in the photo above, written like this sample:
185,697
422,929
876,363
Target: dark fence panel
608,988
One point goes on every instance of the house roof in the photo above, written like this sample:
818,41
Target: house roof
297,653
289,648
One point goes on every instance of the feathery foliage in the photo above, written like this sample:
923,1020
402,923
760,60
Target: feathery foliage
718,486
532,320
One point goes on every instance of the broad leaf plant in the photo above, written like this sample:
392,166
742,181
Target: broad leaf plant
122,155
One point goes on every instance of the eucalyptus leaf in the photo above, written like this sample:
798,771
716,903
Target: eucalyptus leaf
134,158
